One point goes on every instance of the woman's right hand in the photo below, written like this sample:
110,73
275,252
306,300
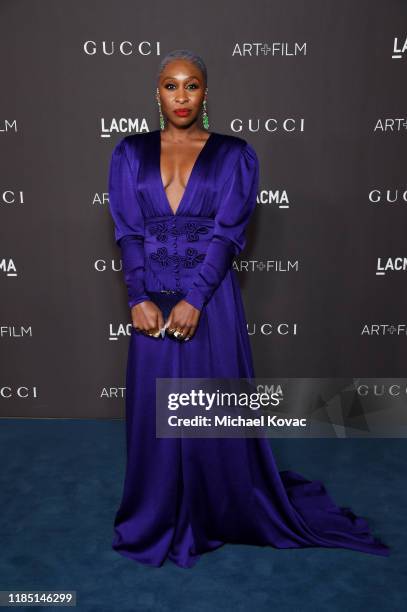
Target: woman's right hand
147,318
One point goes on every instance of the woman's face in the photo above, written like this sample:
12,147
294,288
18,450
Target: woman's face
181,87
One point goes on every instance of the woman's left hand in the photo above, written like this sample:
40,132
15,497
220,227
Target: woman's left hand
183,318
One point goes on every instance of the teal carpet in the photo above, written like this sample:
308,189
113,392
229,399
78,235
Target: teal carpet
61,482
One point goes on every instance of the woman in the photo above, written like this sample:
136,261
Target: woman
181,198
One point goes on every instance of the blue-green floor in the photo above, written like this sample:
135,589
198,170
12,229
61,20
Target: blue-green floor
61,482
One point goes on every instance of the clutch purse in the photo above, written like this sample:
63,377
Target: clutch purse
165,299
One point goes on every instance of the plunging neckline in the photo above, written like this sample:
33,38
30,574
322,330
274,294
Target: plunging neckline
191,176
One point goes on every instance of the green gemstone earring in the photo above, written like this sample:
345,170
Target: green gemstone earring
162,124
205,119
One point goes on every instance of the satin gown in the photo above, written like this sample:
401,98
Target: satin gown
184,497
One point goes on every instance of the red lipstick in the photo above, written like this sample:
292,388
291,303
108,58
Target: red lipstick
182,112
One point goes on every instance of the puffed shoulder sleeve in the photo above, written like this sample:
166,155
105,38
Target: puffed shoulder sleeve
237,203
128,221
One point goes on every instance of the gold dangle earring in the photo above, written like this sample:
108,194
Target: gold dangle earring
205,119
162,124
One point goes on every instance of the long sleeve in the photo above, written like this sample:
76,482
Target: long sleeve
238,199
128,221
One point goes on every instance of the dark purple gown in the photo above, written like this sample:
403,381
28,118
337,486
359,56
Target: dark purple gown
183,497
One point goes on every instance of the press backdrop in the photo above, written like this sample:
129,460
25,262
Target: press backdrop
318,88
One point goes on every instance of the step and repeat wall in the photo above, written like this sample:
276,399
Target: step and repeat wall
318,88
